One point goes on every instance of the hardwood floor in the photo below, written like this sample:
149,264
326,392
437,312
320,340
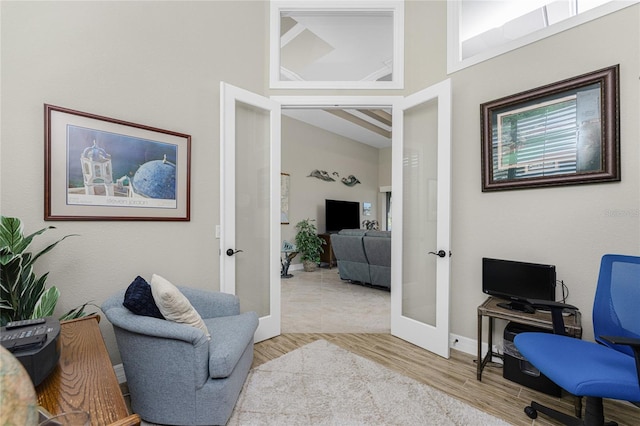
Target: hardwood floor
314,305
455,376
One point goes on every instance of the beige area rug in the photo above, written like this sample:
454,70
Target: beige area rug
323,384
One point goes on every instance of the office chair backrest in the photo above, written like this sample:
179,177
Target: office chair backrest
616,308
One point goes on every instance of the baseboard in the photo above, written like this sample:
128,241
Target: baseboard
470,346
119,370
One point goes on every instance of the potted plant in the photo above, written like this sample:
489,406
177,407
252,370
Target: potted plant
309,244
22,293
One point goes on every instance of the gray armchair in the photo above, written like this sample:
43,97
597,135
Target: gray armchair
174,373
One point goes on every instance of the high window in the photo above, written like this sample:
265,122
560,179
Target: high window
479,30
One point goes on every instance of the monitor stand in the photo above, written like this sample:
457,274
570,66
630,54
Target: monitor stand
518,306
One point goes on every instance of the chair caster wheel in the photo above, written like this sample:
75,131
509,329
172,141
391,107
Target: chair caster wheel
531,412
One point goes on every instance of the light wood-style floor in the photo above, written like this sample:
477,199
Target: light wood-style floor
455,376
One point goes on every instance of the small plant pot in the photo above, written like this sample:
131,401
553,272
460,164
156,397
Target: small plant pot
309,266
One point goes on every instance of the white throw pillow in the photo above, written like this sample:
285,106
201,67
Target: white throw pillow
173,305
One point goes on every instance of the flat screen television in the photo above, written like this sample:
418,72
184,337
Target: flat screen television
341,215
517,281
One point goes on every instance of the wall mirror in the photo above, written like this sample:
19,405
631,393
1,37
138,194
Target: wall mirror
337,45
559,134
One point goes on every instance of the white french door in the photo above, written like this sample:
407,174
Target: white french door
421,175
250,204
250,162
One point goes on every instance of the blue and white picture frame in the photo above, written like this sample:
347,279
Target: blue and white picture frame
100,168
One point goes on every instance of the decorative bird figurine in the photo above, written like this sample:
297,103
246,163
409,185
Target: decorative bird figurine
322,175
350,181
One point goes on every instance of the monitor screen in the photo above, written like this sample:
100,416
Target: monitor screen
516,280
341,215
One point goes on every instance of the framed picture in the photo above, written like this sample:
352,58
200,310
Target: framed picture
285,183
100,168
560,134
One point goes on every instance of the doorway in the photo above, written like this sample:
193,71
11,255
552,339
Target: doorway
341,142
421,152
421,148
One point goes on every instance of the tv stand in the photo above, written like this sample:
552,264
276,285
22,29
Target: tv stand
327,256
518,306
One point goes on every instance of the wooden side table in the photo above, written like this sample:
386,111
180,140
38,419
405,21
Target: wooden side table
84,378
327,255
538,319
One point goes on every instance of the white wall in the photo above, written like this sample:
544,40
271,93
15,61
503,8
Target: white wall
306,148
160,63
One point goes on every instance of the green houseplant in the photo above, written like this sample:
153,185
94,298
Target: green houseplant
22,294
309,244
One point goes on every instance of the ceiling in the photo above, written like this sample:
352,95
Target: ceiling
339,45
368,126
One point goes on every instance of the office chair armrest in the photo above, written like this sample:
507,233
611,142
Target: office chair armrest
556,312
628,341
550,304
619,340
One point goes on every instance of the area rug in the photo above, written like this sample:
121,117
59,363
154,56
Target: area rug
323,384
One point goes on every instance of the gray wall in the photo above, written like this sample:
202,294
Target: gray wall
153,63
570,226
160,64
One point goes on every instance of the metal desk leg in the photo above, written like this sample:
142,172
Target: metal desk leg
489,356
479,359
490,339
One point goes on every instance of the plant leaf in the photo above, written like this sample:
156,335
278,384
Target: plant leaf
46,304
50,247
10,232
77,312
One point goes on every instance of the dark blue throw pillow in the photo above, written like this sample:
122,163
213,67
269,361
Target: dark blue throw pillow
139,300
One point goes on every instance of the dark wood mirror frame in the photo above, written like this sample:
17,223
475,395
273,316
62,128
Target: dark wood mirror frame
592,98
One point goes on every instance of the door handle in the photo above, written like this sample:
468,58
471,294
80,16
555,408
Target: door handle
231,252
440,253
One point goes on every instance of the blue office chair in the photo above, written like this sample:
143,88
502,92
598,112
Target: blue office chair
609,368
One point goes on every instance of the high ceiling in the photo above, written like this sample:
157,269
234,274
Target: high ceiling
368,126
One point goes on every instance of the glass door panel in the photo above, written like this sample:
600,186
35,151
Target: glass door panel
252,208
420,167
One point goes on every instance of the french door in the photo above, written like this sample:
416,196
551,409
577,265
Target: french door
250,164
421,175
250,204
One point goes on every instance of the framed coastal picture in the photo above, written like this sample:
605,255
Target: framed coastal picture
560,134
101,168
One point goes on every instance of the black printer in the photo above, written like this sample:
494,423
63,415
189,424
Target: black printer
35,343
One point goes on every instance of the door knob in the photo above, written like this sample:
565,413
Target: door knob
440,253
231,252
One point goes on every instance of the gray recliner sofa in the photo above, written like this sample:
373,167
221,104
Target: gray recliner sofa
377,247
363,256
174,373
